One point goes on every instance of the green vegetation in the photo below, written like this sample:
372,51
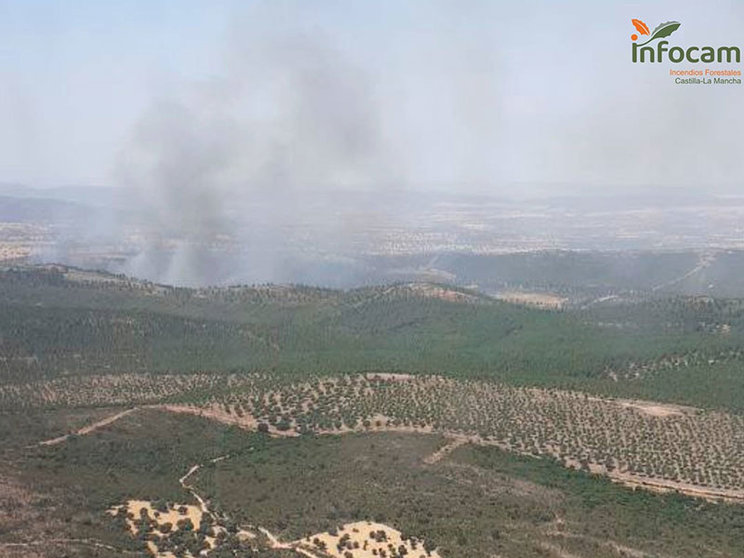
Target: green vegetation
477,502
648,442
53,323
70,486
79,347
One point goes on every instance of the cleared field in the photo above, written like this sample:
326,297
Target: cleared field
158,523
366,539
536,299
12,251
176,529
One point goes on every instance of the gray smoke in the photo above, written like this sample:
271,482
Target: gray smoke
238,161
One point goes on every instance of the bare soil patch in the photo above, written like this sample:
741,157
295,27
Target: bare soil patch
535,299
365,539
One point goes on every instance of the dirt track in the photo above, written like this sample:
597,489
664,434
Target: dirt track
457,439
88,429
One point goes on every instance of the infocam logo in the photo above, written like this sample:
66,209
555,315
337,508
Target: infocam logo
652,49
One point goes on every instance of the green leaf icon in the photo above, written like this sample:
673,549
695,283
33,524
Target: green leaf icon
663,30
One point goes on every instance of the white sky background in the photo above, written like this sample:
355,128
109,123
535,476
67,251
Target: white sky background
471,96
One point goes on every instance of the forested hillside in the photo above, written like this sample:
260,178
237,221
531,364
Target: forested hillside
63,321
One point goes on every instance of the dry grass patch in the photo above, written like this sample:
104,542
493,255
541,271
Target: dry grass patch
159,523
365,539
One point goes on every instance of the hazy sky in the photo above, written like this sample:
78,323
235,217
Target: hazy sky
469,95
